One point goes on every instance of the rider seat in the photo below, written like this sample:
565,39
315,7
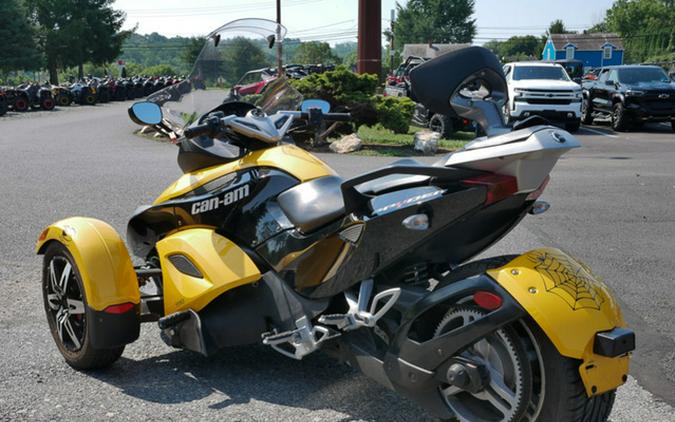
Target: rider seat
314,204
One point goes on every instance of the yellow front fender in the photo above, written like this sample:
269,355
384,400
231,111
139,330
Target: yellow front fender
108,276
570,305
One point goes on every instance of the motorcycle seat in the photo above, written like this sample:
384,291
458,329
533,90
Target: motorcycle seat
314,204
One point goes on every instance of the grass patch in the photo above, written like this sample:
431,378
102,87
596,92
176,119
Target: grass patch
380,141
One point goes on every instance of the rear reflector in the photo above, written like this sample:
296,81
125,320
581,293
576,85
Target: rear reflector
498,186
537,193
487,300
119,309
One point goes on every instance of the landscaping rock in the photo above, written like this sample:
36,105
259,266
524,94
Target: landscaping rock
347,144
426,142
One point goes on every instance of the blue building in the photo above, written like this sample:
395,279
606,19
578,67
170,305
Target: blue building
595,50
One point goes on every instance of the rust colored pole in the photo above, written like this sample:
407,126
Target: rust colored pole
370,35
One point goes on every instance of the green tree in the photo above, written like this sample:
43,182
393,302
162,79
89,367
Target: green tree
438,21
159,70
558,27
646,26
240,56
77,31
517,47
314,52
190,53
18,50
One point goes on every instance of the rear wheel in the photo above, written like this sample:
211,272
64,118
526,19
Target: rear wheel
442,124
62,100
619,117
47,103
672,124
557,393
65,305
90,99
20,104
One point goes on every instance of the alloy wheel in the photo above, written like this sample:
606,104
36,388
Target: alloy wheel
65,303
505,395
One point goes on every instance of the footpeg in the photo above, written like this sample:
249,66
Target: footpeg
299,342
358,316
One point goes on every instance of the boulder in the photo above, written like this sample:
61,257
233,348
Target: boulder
426,142
347,144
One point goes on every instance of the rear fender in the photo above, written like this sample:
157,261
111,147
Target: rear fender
571,306
107,274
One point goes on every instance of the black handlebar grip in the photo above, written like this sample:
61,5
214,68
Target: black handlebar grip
337,117
194,131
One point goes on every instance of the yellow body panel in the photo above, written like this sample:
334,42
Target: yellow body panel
104,264
570,305
289,158
222,263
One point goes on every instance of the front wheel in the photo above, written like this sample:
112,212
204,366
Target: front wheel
619,117
65,303
573,125
442,124
586,111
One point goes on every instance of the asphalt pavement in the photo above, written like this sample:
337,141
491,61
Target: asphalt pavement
612,205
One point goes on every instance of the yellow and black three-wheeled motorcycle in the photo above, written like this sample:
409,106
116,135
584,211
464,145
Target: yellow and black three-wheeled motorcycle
259,241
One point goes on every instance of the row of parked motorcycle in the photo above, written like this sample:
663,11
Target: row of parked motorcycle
88,91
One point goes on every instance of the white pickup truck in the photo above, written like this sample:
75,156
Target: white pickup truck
542,89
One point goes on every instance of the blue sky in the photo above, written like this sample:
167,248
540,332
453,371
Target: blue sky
335,20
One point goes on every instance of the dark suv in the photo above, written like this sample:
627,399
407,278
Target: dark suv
629,95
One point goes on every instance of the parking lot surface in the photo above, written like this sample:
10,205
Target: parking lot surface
612,205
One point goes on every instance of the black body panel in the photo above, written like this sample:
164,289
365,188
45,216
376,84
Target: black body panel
240,206
113,330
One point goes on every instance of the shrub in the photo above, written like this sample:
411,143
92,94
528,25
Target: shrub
345,91
394,113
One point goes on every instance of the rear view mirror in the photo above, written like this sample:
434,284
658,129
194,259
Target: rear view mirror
314,103
468,82
146,113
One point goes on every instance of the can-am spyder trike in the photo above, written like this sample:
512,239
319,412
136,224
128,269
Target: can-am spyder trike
259,241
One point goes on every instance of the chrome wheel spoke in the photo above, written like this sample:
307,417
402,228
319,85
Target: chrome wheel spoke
65,276
52,278
75,307
71,333
61,317
54,301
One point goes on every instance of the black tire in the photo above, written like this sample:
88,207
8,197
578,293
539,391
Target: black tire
90,99
619,118
573,126
3,108
47,104
565,397
83,356
442,124
21,104
586,111
672,124
62,100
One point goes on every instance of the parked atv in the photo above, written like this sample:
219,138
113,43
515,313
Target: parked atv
83,94
3,103
38,97
62,95
17,100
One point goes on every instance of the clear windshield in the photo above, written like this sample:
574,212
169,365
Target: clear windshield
556,73
234,64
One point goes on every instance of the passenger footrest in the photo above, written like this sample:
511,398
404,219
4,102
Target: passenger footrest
299,342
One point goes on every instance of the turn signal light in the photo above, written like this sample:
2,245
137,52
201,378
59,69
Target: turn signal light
119,309
487,300
498,186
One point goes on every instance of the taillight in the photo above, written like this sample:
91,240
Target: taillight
119,309
537,193
498,186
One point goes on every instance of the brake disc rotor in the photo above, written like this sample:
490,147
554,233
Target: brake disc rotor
507,388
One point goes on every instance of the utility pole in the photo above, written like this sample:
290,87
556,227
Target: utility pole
391,41
370,37
280,65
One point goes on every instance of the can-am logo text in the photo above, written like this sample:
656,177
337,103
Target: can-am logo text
215,202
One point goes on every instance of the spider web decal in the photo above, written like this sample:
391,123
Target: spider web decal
567,279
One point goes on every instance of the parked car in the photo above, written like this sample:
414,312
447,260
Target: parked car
573,67
542,89
398,83
629,96
253,82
